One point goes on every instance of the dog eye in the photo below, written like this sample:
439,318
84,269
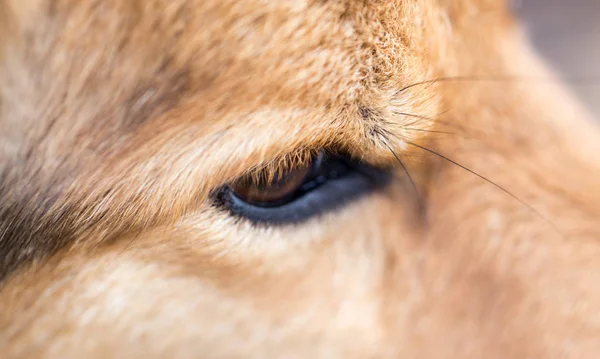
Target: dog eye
323,183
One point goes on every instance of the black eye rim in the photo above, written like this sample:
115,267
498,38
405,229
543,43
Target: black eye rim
331,194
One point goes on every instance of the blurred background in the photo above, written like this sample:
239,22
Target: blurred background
567,33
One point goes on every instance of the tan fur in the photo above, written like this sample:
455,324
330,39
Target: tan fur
118,119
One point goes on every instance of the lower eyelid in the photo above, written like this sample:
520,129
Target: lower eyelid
311,204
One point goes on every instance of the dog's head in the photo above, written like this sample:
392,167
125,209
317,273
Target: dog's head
315,179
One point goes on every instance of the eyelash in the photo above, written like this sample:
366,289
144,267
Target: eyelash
332,182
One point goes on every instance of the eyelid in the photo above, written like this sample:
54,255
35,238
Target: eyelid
267,172
356,180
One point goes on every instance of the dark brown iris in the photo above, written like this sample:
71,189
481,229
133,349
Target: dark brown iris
267,193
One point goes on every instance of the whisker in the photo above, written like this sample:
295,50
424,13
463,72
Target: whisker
433,120
579,81
492,183
420,117
429,131
420,203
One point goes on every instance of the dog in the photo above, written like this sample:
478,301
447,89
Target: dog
291,179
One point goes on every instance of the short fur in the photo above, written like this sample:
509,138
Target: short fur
119,119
